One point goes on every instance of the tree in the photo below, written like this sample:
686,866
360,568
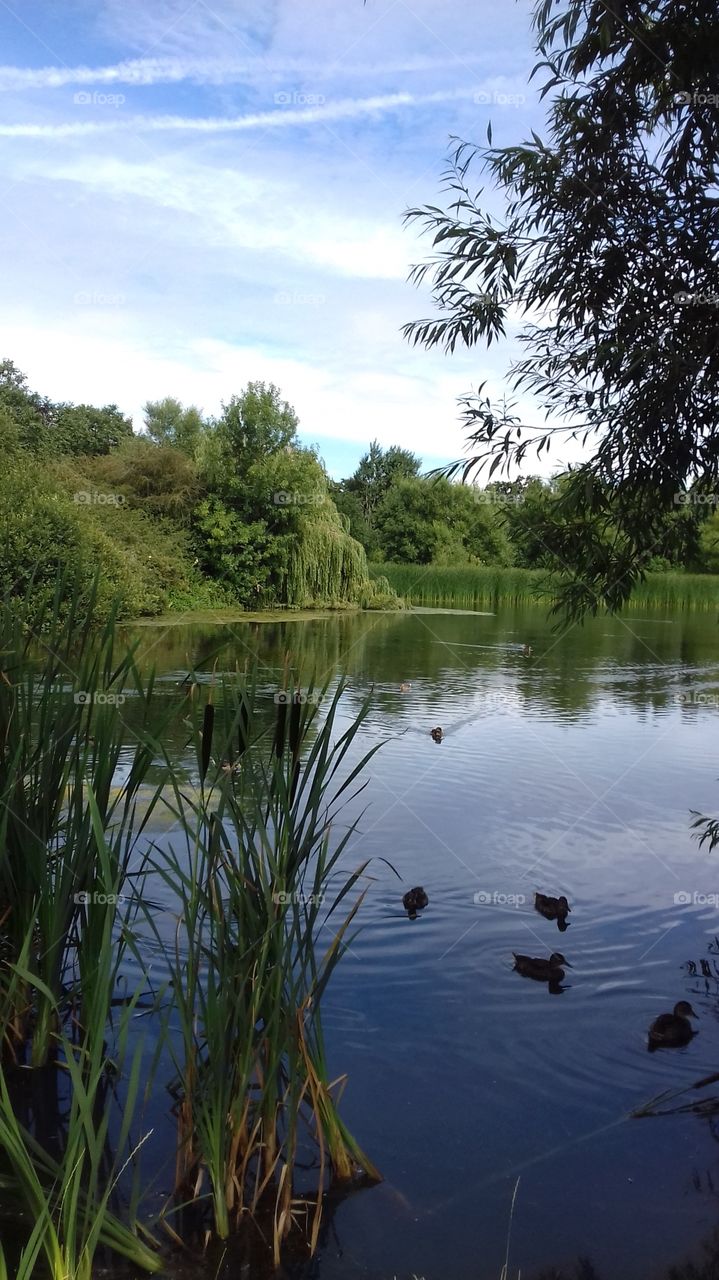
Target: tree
359,525
167,422
27,417
85,429
608,249
257,423
268,526
423,521
377,471
158,479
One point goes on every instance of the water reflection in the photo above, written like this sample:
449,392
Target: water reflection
568,773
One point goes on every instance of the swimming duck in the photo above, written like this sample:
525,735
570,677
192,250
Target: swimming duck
542,970
405,686
551,908
670,1030
437,734
527,651
414,900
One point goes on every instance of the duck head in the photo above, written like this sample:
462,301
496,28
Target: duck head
684,1010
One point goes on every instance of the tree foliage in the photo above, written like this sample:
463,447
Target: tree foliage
168,422
233,511
607,250
377,471
83,429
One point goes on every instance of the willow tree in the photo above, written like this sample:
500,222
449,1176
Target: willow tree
268,526
607,250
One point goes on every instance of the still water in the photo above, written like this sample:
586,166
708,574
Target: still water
573,770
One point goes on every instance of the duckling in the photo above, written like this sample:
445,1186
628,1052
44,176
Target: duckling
405,686
527,651
542,970
551,908
414,900
670,1030
437,734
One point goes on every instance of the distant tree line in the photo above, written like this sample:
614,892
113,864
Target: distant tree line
233,510
402,517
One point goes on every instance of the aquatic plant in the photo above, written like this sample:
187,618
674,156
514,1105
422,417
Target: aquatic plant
470,587
258,880
258,875
62,734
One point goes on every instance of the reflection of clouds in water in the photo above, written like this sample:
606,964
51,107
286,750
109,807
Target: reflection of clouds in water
572,774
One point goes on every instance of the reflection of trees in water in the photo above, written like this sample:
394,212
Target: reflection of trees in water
604,661
706,971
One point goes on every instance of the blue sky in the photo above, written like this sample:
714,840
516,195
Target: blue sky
197,194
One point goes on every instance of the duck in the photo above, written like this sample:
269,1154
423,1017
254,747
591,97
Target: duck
405,686
670,1030
551,908
527,650
414,900
542,970
437,734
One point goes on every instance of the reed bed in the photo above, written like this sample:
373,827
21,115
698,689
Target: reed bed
468,587
464,587
265,906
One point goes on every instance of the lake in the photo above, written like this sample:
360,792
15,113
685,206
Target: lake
573,770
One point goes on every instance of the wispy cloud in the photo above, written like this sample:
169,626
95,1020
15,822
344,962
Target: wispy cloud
201,192
281,118
141,72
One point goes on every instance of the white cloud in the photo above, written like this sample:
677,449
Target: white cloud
75,362
285,115
184,26
142,72
244,241
296,225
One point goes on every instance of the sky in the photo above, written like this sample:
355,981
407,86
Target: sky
195,195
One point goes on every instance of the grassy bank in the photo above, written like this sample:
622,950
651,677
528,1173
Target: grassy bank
468,588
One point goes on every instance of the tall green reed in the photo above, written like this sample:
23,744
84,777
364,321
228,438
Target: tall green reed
257,871
68,1196
61,734
470,587
259,882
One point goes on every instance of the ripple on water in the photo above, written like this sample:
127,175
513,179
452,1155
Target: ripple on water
573,773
